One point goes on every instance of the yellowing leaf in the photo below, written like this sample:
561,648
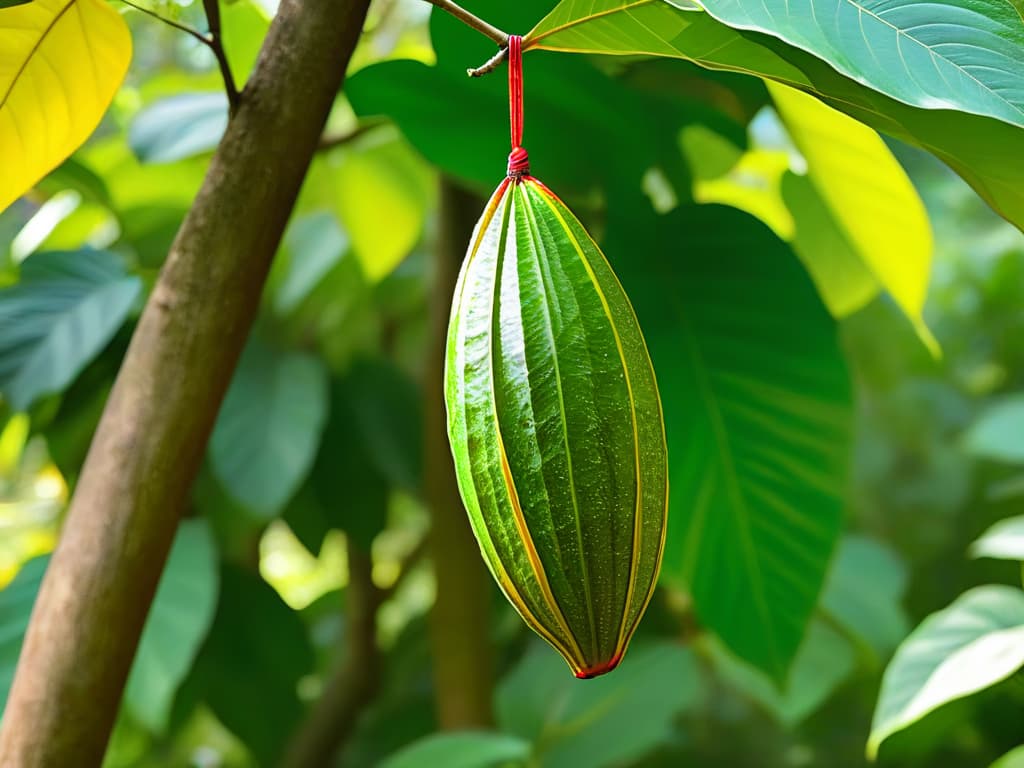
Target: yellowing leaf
61,62
874,209
383,193
753,186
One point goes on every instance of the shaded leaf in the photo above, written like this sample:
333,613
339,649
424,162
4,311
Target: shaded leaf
16,601
610,720
60,65
757,410
180,126
973,644
269,427
998,434
64,310
461,750
177,624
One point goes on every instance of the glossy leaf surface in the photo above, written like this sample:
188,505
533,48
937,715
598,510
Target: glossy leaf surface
984,150
556,427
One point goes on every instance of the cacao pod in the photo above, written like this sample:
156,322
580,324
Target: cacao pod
556,426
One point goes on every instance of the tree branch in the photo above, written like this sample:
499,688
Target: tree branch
491,64
354,681
481,26
212,9
150,442
171,23
460,620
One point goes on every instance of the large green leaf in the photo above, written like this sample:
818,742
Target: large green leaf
954,54
269,427
462,750
1004,540
758,409
984,150
973,644
64,310
16,601
872,213
179,126
612,720
178,621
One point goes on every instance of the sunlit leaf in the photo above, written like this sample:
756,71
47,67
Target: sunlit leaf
984,150
177,623
1004,540
64,310
758,411
873,211
1012,759
269,427
60,65
973,644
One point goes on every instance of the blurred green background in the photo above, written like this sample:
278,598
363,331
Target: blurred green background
304,567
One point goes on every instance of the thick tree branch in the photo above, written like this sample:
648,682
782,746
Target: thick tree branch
148,447
460,620
355,680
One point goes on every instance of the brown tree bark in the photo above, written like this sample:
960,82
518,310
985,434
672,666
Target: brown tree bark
150,441
460,621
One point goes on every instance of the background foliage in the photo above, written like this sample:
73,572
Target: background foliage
836,320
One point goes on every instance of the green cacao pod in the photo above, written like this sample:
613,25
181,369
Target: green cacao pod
556,426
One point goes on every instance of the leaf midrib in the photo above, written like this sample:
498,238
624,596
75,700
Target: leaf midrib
33,51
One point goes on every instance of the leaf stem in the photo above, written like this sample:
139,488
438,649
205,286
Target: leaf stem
481,26
170,22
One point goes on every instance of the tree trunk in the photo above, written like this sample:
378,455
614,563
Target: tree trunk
144,457
460,621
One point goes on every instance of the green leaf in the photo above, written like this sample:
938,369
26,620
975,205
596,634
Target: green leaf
1004,540
825,660
313,245
64,310
984,150
998,434
873,211
16,601
863,595
758,411
956,54
611,720
180,126
250,665
973,644
461,750
12,3
1012,759
177,624
60,66
269,427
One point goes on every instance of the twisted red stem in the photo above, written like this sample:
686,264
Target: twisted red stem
518,160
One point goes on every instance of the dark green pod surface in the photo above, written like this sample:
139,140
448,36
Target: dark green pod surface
556,427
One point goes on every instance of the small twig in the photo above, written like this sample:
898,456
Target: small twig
492,63
495,34
330,141
171,23
212,8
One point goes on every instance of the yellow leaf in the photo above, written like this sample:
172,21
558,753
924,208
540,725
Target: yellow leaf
752,186
874,209
61,61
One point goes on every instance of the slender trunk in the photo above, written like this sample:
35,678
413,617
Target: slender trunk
150,441
354,682
460,622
